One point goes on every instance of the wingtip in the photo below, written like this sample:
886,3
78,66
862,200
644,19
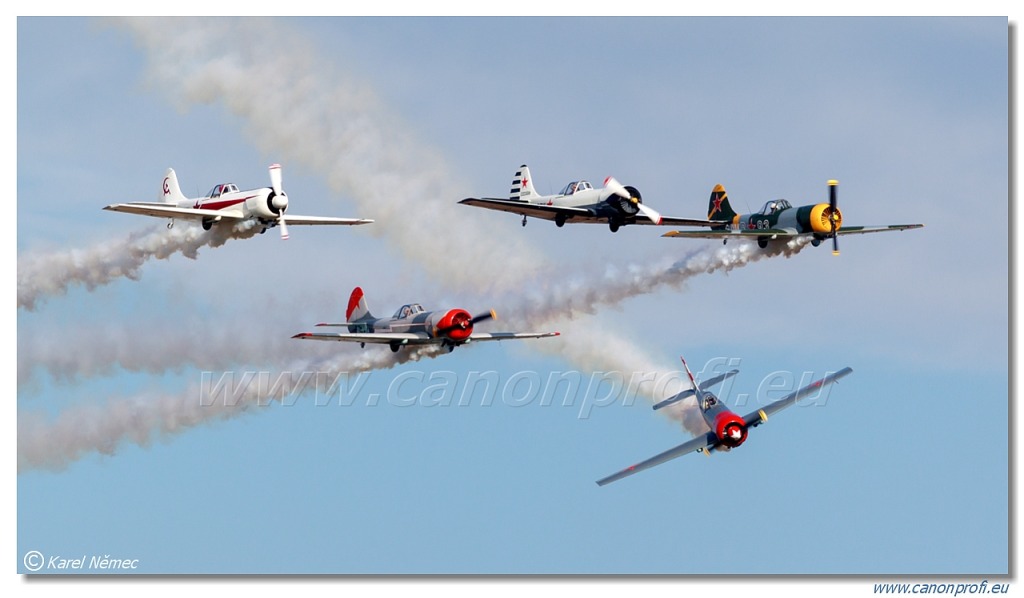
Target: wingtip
303,335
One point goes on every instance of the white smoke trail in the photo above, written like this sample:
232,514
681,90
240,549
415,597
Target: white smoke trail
87,429
47,274
301,110
53,443
563,299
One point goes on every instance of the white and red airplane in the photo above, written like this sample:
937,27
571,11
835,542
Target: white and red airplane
728,428
267,205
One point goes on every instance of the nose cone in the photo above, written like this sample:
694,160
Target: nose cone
280,202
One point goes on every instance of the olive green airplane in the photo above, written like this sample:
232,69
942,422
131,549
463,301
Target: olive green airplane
778,219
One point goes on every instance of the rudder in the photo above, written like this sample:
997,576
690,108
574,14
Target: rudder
170,192
718,205
357,310
522,185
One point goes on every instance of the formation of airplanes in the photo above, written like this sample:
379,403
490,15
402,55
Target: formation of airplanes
265,206
578,202
411,325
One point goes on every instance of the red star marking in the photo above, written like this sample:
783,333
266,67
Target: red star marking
526,182
718,204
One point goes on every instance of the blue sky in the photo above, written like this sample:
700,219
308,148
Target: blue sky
902,470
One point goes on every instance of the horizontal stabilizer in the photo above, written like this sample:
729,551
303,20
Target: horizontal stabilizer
689,393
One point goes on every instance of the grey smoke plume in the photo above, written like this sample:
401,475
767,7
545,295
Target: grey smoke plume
47,274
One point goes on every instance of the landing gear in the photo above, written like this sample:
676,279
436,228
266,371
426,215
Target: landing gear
613,225
560,220
451,348
762,242
815,242
395,347
207,223
524,220
170,224
362,345
263,230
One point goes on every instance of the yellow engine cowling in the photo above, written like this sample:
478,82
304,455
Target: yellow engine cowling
821,218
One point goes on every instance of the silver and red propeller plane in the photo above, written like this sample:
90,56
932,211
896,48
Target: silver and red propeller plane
267,205
778,219
579,201
413,326
728,429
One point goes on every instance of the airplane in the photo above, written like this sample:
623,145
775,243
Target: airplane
728,429
413,326
267,205
779,219
579,201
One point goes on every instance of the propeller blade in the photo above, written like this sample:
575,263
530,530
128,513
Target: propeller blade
275,178
489,315
649,212
833,202
616,187
284,227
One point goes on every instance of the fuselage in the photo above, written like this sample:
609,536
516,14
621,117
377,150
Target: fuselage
725,423
262,203
453,324
779,214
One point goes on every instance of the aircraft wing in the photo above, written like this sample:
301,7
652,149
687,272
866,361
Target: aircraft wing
860,230
706,441
324,220
674,221
725,234
536,210
504,336
783,232
412,338
163,210
381,338
756,418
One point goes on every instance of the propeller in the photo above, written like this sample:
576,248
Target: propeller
464,324
616,187
833,213
280,199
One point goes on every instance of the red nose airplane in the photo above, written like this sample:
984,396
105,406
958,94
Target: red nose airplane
728,429
412,325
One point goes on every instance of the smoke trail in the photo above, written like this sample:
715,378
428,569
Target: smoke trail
583,295
76,431
299,109
54,443
47,274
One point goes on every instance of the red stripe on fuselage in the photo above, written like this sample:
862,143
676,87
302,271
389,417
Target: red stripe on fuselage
220,205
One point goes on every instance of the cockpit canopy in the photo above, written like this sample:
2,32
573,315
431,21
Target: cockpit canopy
775,205
219,190
709,401
575,187
408,310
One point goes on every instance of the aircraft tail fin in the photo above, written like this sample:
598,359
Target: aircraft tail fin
170,192
522,185
357,310
718,206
